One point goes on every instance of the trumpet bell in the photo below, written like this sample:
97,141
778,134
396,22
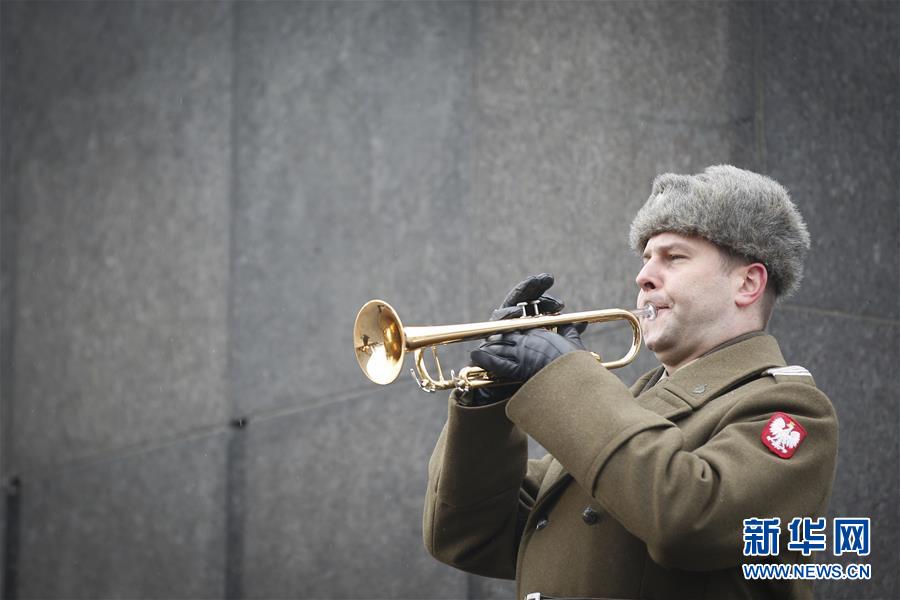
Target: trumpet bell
379,341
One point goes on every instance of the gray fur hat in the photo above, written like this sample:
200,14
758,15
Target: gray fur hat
745,213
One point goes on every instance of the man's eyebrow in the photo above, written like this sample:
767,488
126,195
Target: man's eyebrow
676,246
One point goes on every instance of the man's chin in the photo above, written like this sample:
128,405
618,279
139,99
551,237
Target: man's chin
657,345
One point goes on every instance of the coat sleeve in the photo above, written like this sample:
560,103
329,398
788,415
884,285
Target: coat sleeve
688,506
481,487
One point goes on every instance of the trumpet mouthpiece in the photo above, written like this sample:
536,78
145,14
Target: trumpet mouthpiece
647,312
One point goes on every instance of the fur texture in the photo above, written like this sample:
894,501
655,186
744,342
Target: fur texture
745,213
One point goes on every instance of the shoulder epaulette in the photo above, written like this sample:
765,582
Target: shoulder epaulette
791,371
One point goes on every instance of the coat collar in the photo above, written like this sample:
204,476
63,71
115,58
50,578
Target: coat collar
711,375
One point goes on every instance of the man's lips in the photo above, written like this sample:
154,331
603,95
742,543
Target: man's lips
660,307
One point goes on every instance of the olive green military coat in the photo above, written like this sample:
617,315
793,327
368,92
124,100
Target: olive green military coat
643,492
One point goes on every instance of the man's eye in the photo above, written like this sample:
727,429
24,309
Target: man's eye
676,256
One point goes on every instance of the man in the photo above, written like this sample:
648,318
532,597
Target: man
644,491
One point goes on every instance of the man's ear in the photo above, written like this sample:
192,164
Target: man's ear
754,278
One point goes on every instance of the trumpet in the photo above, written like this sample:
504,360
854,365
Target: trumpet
381,341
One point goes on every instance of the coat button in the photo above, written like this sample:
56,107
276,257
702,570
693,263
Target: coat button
590,516
541,524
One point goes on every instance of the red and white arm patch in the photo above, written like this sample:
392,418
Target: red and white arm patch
782,435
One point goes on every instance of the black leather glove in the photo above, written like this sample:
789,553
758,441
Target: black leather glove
518,356
528,290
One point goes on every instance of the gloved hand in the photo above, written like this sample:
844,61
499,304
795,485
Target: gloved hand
518,356
528,290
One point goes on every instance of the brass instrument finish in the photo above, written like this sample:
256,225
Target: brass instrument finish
381,342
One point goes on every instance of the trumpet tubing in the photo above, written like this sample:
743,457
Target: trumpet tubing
381,341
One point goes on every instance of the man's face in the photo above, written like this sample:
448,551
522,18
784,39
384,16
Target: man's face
684,278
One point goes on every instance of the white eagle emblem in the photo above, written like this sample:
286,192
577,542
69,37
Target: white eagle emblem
782,435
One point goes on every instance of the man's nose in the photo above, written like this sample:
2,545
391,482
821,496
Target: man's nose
647,278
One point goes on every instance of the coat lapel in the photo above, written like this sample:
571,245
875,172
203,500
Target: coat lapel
665,402
555,476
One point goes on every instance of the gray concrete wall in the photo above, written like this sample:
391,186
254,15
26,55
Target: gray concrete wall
829,129
197,197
